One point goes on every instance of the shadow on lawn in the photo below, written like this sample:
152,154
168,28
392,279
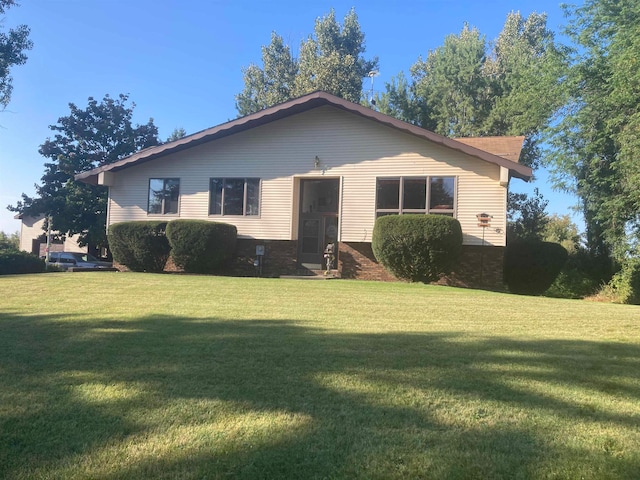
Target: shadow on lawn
375,402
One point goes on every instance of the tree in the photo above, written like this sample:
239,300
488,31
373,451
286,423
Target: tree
177,134
13,45
272,84
452,85
596,145
560,229
9,241
98,135
467,87
527,216
331,60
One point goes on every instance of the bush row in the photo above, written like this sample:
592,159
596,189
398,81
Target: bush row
196,246
12,261
423,248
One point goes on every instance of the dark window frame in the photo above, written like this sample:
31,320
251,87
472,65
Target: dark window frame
379,212
165,207
247,210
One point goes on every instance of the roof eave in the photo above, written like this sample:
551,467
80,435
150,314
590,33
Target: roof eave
292,107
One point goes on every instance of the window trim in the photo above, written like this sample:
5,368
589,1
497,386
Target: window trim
244,197
164,180
428,210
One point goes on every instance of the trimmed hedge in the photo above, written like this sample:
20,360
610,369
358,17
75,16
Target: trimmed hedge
12,262
142,246
418,248
531,266
200,246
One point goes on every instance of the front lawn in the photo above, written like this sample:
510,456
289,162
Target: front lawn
119,376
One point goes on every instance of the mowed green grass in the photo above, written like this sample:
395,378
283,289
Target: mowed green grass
120,376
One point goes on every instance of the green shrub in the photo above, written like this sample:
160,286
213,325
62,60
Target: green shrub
418,248
531,266
142,246
200,246
12,261
625,284
578,278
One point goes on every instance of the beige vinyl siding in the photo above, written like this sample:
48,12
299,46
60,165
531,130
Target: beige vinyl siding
31,228
349,147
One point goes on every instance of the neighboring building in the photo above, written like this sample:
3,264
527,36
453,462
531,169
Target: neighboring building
319,169
34,239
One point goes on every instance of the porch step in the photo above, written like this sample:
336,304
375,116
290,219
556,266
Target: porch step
313,275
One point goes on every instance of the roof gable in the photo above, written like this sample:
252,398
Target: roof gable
472,147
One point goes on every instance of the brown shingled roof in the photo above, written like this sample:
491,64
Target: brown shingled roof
293,107
505,147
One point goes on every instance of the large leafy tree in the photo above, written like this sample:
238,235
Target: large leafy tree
97,135
13,44
450,85
333,61
596,146
271,84
330,60
471,87
527,216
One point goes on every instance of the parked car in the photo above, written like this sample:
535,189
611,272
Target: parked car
66,260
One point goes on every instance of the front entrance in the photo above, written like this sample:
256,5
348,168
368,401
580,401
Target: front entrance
318,220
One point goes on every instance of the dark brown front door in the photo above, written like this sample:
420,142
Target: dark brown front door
318,220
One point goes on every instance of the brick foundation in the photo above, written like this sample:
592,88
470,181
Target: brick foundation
469,273
356,261
280,257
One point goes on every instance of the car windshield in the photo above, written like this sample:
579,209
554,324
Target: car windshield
84,257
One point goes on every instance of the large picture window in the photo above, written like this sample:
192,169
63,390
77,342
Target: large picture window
163,195
415,195
234,196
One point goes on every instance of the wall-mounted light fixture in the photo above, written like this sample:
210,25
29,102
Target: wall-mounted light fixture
316,162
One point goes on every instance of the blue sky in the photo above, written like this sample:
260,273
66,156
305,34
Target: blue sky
181,62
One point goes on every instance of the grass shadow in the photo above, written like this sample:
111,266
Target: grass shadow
273,399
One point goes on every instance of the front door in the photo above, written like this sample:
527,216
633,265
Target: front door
318,220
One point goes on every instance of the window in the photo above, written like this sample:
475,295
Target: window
415,195
441,194
163,195
234,196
